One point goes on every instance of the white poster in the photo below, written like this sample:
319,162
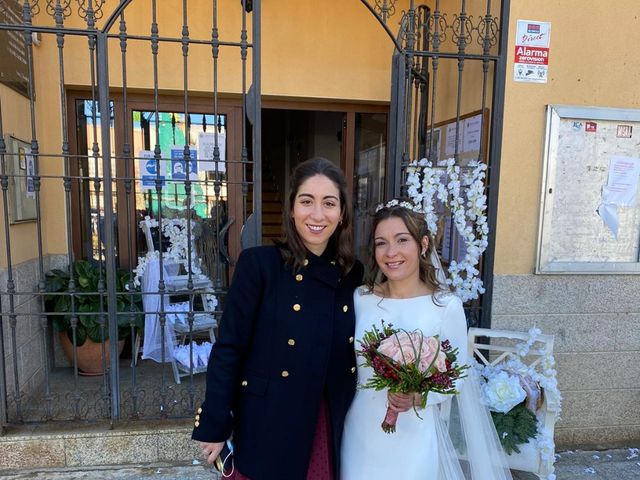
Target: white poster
531,63
472,132
622,184
450,148
206,141
620,190
31,171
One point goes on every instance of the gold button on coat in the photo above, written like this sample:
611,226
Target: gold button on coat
299,277
197,424
296,307
291,342
333,262
353,369
350,339
306,262
245,383
200,410
285,374
345,308
197,418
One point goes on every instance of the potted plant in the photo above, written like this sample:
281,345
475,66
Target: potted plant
87,304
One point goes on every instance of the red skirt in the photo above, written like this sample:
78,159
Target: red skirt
321,462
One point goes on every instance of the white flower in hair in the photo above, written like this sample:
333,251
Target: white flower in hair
397,203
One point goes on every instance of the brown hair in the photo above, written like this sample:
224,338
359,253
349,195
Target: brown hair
292,246
417,227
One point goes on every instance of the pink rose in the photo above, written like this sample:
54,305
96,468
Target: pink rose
400,347
406,348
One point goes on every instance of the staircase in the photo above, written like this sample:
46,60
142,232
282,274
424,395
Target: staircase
272,204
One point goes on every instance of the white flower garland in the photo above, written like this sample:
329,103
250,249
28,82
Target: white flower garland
176,231
467,201
544,374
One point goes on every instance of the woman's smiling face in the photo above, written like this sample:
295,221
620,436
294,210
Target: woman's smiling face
316,212
396,251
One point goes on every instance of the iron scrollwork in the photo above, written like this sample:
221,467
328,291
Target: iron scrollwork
88,8
59,8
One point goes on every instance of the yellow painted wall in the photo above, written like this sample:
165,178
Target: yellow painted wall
592,63
16,122
334,49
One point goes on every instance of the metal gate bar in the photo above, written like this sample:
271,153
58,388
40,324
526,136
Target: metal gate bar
421,47
98,188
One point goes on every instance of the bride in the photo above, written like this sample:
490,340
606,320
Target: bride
454,437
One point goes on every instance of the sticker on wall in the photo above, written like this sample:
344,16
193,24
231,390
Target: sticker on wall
532,51
624,131
590,127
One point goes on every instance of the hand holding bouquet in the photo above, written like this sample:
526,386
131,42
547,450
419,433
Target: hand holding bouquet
408,362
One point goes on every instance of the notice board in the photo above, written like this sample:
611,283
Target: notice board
590,215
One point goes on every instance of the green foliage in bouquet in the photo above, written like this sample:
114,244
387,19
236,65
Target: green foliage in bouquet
515,427
88,303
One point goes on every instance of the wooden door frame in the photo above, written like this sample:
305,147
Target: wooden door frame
349,108
229,105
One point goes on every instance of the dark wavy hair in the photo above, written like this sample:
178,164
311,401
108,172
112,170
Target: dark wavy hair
417,227
341,242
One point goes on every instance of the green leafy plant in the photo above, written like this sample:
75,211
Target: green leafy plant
87,302
514,427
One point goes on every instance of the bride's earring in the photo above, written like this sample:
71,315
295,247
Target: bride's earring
423,254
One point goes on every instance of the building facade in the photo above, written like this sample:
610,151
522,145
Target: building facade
250,89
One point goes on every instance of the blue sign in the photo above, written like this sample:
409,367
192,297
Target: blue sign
179,168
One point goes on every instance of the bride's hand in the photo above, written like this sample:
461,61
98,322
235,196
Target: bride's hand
401,402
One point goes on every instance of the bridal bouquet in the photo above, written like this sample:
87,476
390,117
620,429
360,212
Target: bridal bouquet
406,362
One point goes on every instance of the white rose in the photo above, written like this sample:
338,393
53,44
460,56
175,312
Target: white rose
502,392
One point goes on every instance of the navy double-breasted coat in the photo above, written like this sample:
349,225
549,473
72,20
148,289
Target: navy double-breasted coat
285,341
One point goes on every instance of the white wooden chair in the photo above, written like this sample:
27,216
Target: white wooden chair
176,283
500,349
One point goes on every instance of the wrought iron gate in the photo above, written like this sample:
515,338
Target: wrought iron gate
436,47
143,167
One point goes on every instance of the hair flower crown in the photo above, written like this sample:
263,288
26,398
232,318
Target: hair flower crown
404,204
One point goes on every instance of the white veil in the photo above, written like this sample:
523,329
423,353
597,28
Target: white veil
469,444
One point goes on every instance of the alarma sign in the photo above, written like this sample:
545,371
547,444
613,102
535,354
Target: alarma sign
531,63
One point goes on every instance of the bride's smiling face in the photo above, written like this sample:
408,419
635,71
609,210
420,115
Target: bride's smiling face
397,251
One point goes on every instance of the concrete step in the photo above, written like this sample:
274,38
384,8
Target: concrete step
81,445
154,471
570,465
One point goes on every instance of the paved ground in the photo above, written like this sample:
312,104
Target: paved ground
621,464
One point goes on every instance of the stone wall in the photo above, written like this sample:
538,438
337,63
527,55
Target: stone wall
27,357
596,323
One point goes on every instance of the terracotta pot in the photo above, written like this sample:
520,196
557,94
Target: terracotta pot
89,354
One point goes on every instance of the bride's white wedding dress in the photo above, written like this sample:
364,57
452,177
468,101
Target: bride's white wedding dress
454,439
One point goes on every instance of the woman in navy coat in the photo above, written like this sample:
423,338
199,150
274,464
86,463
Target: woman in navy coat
282,375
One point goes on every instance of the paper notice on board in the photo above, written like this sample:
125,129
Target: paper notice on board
472,131
620,190
622,184
206,143
31,171
450,148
